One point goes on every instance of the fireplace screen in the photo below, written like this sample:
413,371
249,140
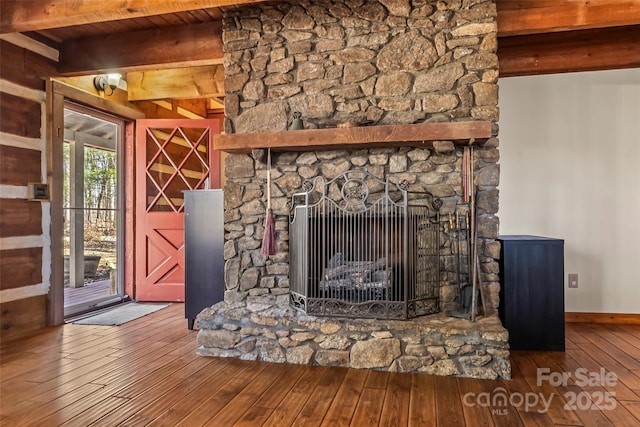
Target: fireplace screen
364,248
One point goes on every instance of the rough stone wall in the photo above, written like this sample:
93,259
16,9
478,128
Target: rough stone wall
337,61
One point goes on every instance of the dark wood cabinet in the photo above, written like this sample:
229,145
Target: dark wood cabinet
532,292
204,251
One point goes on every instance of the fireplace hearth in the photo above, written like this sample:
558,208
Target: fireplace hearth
361,248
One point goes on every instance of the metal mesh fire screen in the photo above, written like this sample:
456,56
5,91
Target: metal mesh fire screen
360,248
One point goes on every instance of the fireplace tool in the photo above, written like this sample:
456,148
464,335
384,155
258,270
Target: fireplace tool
464,287
487,310
478,287
458,280
473,213
469,292
269,237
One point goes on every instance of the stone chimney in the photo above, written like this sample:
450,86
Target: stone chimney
358,62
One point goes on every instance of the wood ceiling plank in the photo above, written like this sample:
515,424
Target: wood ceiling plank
158,48
20,15
544,16
183,108
573,51
199,15
194,106
151,109
180,83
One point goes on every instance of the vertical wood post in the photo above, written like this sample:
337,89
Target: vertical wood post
76,217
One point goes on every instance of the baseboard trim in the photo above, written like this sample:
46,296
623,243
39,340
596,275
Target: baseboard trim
619,318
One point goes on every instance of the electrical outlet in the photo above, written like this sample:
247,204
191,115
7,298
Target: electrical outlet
573,280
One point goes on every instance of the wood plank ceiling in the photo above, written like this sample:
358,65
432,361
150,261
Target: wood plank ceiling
165,38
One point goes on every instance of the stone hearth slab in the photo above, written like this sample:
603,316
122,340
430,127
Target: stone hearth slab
434,344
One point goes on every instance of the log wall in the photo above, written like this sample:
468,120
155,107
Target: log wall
25,252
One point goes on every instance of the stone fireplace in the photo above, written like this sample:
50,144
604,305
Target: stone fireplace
357,63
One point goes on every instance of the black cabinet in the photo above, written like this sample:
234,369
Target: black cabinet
532,292
204,251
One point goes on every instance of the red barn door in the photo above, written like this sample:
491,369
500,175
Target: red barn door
171,156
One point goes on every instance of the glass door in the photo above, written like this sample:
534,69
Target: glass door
93,237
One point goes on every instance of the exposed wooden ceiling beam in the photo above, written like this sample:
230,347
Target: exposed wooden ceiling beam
180,83
573,51
127,110
515,17
32,15
85,83
545,16
158,48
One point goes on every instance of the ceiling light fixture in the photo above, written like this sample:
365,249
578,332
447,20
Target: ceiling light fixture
111,81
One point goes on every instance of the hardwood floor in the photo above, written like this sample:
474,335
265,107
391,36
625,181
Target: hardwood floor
146,372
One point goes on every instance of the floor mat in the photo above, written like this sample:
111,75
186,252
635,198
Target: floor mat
121,314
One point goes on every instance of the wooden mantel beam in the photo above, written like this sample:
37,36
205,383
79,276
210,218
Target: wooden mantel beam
34,15
521,17
158,48
413,135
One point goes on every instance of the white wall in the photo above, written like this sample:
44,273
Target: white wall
570,169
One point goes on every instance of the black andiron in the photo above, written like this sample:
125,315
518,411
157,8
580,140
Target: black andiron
361,247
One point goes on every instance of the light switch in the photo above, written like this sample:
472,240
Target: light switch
38,191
